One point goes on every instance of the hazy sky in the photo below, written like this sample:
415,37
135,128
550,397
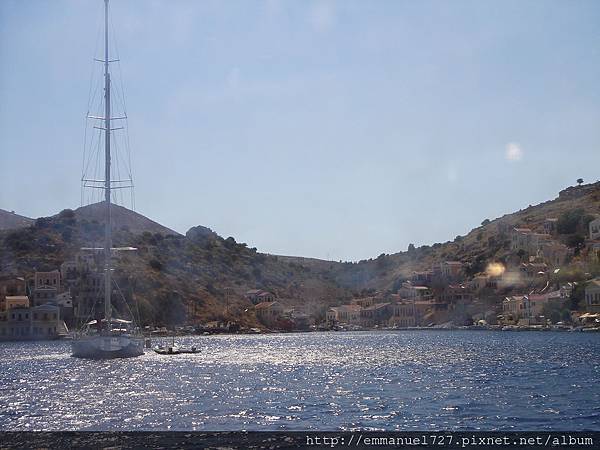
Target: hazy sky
338,129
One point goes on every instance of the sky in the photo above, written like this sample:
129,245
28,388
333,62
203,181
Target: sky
328,129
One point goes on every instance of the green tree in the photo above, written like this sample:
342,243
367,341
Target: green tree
156,264
575,241
569,221
67,214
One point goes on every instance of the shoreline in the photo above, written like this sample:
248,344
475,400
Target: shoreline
368,330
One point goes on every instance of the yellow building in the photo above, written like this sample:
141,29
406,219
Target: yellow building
16,301
344,314
269,312
403,315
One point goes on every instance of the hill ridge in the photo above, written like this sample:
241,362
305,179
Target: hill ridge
11,220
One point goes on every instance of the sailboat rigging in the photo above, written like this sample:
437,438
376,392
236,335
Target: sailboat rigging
107,337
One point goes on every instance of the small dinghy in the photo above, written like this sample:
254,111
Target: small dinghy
174,349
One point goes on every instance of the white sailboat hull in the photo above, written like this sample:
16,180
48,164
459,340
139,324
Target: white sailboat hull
107,346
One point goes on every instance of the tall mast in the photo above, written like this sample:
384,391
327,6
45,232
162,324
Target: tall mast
107,184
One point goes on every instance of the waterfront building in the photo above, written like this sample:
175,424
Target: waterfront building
377,314
45,288
592,296
38,322
11,286
44,294
298,317
269,313
529,309
404,314
515,307
16,301
348,314
65,304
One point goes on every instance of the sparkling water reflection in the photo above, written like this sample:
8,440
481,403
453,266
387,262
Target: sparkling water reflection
417,380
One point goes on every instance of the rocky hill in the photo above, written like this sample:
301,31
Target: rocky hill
195,276
573,209
9,220
122,219
174,278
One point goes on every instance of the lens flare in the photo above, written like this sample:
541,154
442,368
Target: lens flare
495,269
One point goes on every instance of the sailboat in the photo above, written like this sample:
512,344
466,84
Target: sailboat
107,337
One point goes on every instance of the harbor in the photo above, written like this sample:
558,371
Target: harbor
302,381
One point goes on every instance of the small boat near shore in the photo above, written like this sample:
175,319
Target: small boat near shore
175,350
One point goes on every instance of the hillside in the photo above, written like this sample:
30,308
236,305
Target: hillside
122,218
9,220
173,277
192,277
482,244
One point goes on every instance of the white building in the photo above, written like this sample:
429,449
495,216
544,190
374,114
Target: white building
592,296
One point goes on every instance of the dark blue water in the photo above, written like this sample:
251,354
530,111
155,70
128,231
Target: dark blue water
414,380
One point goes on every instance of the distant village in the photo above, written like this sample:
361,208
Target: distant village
50,304
444,297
